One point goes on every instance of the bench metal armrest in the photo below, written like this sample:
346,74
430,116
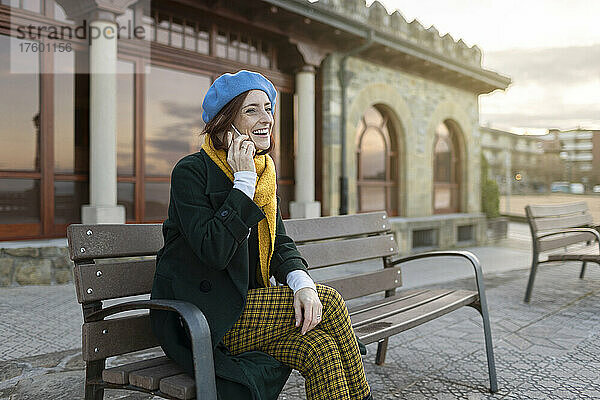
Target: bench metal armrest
591,231
471,258
481,306
199,330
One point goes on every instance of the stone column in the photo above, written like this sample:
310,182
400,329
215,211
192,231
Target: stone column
304,204
100,16
103,206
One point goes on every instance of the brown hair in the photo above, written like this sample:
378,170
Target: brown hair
223,121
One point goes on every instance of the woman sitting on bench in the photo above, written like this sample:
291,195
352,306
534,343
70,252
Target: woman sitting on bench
223,241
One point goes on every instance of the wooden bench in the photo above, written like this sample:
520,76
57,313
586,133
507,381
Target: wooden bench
324,242
558,226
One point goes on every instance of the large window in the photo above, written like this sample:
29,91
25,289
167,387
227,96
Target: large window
173,122
446,171
45,117
377,163
19,109
20,136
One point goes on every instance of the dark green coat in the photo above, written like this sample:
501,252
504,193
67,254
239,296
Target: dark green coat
205,261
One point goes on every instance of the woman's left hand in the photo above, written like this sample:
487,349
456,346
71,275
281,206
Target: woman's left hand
308,309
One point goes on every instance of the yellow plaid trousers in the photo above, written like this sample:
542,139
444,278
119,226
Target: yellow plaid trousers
327,356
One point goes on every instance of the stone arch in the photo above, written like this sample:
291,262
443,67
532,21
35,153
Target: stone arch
458,120
389,100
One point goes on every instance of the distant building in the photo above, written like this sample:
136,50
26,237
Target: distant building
580,151
526,162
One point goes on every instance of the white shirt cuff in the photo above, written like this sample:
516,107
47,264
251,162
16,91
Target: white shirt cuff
299,279
246,182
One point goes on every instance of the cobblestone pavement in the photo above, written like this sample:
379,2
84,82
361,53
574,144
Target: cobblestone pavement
548,349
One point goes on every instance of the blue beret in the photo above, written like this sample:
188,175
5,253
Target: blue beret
227,86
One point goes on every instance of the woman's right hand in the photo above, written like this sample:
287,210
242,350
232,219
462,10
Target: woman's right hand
240,154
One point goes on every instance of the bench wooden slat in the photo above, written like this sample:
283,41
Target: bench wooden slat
180,386
374,304
120,375
306,229
116,336
546,224
109,240
150,378
113,280
336,252
368,283
395,307
551,210
394,324
574,257
556,242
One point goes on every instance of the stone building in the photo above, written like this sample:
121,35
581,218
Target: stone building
373,112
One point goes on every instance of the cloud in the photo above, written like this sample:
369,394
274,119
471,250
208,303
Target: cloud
552,88
560,66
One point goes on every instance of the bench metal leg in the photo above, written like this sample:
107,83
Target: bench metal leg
582,270
481,306
93,393
382,346
534,266
489,348
487,328
93,370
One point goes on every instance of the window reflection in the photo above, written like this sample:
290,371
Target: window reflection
125,117
372,198
173,116
445,171
19,201
66,145
69,196
442,197
71,114
126,198
372,155
157,200
373,117
376,163
176,33
442,160
19,108
29,5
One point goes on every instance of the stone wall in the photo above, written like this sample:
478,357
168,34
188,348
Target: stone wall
35,266
416,107
444,232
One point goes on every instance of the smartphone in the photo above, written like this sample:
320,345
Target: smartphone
237,133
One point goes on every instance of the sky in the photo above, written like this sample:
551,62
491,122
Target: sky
550,49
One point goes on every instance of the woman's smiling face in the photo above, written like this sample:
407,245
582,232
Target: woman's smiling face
255,119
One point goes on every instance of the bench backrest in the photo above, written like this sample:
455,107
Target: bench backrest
547,218
114,261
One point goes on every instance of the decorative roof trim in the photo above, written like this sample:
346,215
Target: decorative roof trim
393,31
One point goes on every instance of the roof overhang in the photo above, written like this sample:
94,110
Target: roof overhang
341,33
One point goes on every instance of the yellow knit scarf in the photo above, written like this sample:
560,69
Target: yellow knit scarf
264,197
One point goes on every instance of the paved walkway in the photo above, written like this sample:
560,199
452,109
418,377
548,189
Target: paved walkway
549,349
